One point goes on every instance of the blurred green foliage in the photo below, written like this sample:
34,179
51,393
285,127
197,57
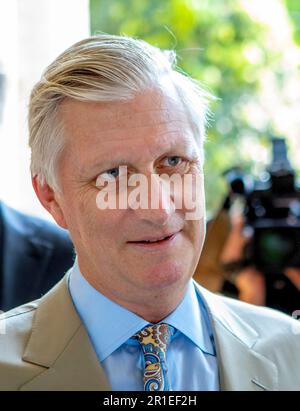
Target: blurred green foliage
293,7
214,41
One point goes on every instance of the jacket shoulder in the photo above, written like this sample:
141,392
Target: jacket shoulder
15,329
267,322
278,339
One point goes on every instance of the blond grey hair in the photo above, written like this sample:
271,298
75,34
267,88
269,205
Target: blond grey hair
101,68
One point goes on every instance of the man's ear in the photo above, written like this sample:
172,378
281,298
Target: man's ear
49,200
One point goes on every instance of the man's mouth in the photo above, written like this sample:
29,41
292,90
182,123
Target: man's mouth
155,241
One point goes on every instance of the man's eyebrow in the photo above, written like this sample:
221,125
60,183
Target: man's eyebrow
109,163
103,165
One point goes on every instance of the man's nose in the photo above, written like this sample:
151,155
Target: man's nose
160,204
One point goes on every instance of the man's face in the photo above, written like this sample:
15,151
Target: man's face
150,135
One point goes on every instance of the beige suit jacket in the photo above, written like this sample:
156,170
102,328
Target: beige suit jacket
44,346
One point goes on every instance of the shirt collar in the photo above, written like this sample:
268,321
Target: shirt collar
108,332
191,319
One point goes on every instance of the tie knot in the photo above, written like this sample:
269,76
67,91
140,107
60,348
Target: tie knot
157,335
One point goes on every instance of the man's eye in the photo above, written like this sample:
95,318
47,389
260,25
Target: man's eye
111,174
172,161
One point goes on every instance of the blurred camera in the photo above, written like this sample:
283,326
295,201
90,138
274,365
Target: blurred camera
272,212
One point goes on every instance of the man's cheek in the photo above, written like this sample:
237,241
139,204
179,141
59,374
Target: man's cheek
194,198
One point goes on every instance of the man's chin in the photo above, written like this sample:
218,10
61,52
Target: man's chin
166,275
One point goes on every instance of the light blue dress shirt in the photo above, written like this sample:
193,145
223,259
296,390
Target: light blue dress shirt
191,356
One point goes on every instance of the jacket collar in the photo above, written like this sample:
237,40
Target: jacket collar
241,368
60,344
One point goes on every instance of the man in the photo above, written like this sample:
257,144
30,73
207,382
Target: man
109,113
34,255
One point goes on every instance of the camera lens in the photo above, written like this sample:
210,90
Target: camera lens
275,247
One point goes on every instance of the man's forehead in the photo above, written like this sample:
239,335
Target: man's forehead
154,118
153,107
156,145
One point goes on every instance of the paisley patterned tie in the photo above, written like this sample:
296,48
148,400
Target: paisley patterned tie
154,340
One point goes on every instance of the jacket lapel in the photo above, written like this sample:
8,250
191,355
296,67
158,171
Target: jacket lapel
241,368
60,344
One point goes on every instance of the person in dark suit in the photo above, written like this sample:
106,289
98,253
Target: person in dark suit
34,255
